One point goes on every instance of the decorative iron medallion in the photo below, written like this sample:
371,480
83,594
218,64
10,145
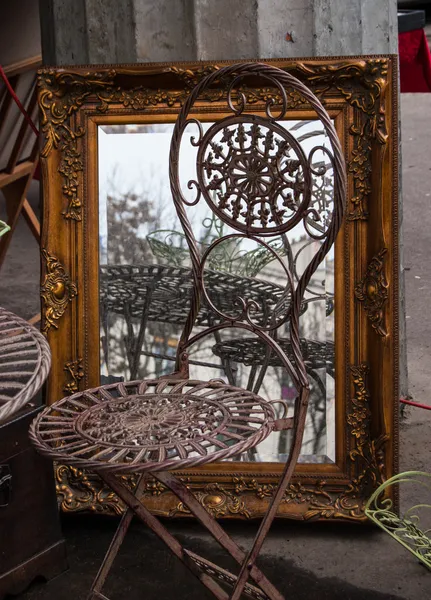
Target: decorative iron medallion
254,175
152,420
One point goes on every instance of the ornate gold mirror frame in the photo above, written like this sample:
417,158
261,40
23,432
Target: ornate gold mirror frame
361,95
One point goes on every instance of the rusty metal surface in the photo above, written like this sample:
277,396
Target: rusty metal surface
255,177
25,360
256,218
224,576
152,425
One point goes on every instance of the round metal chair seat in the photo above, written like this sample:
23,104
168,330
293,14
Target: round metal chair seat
152,425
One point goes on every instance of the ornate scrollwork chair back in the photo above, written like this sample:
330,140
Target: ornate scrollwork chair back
256,178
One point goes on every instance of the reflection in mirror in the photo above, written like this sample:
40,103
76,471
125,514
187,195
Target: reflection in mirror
146,282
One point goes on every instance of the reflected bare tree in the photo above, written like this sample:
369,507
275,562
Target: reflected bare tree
126,214
132,345
130,216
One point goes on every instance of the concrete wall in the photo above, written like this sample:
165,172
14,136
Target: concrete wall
87,31
91,31
162,27
223,29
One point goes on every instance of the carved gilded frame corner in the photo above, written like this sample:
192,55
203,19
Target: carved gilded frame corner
361,94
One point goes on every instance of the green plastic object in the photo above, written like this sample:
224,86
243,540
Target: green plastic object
170,246
406,529
4,228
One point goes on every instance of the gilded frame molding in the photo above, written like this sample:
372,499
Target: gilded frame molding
361,93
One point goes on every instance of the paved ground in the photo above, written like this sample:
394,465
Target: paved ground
323,562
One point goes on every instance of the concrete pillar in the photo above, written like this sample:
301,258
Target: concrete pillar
337,27
164,30
87,31
226,29
379,27
223,29
285,28
113,31
108,31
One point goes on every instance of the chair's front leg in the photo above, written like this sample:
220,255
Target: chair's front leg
115,545
160,530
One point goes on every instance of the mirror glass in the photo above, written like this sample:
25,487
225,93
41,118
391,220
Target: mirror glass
146,283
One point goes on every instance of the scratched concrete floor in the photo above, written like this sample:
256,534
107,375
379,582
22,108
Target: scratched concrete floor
311,561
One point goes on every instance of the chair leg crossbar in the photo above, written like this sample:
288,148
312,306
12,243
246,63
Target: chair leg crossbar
207,572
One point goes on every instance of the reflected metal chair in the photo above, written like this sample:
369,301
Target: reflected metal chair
256,178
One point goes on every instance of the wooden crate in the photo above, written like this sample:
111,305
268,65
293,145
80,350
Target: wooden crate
31,540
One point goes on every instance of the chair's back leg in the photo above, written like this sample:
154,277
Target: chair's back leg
217,531
265,525
116,542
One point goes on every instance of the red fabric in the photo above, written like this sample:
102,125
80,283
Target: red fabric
17,101
415,61
36,174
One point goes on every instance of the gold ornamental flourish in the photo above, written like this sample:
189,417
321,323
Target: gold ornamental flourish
360,167
362,84
373,292
297,492
218,500
57,291
366,453
75,369
80,490
70,167
61,94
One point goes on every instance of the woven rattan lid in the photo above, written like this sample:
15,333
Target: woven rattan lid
25,359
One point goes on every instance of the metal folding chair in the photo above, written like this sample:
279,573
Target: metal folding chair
255,176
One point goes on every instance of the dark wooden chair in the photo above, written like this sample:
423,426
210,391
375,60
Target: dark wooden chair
256,178
19,145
